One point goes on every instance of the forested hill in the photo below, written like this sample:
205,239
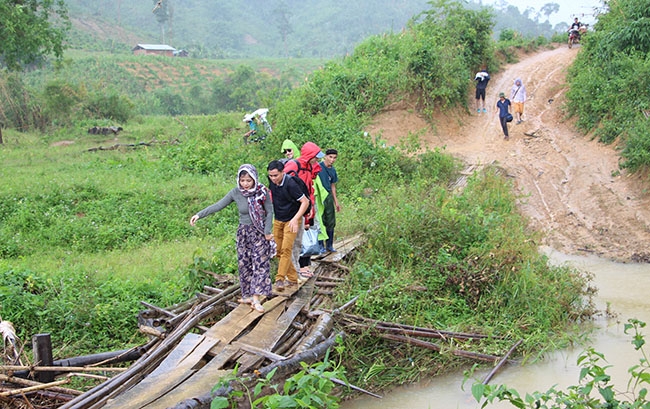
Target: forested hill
252,28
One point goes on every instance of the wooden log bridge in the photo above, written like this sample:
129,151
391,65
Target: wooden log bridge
184,364
194,344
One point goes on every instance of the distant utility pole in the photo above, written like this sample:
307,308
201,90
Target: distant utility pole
170,27
283,22
161,11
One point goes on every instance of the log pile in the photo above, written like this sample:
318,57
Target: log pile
105,130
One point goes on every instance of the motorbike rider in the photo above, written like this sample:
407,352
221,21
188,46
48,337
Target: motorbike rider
575,26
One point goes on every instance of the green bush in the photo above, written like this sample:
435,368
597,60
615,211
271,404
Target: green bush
109,105
80,311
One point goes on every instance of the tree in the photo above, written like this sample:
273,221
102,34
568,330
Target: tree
549,8
31,30
283,23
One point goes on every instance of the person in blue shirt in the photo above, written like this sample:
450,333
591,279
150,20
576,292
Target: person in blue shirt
503,108
252,127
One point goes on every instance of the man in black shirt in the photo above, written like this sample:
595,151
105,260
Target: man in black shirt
289,206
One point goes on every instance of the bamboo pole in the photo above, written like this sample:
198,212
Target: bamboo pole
59,368
89,376
319,332
212,289
356,388
34,388
289,341
437,348
370,323
330,278
422,332
158,309
26,382
341,266
350,303
326,284
501,362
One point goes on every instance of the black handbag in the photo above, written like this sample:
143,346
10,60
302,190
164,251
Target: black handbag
509,117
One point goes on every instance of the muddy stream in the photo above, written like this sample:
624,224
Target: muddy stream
623,289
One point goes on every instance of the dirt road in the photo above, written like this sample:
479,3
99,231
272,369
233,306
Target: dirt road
571,187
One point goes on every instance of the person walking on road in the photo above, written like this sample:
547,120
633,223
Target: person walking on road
289,207
503,106
518,98
482,78
255,245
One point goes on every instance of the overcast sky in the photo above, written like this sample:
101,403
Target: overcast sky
569,9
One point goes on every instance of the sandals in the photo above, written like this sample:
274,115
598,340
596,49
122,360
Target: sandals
257,306
306,273
245,300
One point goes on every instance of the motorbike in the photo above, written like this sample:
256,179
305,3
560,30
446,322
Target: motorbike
574,37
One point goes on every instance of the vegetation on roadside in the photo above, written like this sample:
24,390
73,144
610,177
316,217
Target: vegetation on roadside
610,82
78,228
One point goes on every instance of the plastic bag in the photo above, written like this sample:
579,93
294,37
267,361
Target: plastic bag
310,246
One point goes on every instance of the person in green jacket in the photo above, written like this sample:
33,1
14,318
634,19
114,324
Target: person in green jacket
289,150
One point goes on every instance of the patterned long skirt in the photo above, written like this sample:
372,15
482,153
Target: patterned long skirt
253,256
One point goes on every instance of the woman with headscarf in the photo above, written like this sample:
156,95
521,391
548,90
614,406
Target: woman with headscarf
255,244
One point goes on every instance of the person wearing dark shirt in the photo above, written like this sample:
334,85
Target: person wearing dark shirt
289,206
482,78
503,107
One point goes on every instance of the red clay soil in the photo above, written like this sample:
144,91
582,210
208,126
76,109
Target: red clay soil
571,187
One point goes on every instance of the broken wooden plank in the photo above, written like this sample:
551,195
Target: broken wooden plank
267,334
259,351
197,382
141,368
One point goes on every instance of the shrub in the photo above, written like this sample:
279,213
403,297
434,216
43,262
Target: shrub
109,105
594,389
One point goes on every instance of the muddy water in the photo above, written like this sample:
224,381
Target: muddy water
623,289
